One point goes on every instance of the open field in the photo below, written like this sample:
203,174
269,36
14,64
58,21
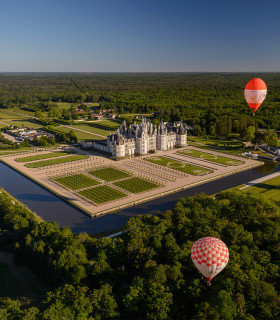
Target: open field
55,161
76,181
179,165
2,125
102,194
30,123
136,185
6,114
43,156
269,188
92,129
146,115
211,157
80,135
109,174
111,123
18,282
63,105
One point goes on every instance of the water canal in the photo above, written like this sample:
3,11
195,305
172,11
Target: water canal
52,208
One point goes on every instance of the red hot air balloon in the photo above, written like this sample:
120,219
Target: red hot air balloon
255,93
210,256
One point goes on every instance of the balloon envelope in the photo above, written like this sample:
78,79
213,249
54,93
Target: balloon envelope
210,256
255,93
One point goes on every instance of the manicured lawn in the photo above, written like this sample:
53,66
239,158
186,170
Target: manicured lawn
80,135
92,129
109,174
24,123
77,181
110,123
211,157
102,194
136,185
269,188
178,165
217,142
14,151
43,156
55,161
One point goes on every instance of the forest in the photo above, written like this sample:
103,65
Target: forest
209,101
147,272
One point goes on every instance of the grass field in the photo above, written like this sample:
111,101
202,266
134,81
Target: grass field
211,157
2,125
14,151
76,181
43,156
24,123
114,123
178,165
55,161
224,143
136,185
102,194
63,105
269,188
109,174
92,129
6,114
80,135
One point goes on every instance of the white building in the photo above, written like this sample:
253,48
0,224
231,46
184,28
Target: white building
142,139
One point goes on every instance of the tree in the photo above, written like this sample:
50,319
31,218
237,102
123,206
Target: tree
212,131
250,133
271,138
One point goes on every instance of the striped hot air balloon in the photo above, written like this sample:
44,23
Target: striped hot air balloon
255,93
210,256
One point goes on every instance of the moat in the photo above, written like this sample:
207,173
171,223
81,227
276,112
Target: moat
51,208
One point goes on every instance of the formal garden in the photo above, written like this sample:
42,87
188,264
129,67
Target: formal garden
179,165
136,185
43,156
102,194
109,174
211,157
76,181
56,161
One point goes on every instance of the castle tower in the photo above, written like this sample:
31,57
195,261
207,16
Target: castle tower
181,136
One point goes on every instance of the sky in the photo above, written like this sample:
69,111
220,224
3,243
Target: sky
139,36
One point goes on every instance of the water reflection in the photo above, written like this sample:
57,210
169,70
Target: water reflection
37,197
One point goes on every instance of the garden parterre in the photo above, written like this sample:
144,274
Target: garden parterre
55,161
136,185
109,174
102,194
211,157
76,181
43,156
179,165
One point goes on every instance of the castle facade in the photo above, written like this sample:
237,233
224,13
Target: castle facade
142,139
